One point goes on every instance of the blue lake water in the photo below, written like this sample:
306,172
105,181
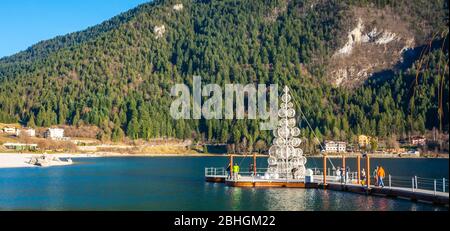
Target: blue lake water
177,183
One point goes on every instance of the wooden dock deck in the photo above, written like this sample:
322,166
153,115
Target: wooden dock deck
416,195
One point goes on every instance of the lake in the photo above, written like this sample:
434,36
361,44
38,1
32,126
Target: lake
177,183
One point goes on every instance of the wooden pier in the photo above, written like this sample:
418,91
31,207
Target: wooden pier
418,195
325,182
270,184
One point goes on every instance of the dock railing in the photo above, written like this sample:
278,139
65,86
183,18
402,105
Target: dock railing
414,183
215,172
221,172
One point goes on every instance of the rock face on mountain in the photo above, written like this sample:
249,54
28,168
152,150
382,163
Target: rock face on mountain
377,42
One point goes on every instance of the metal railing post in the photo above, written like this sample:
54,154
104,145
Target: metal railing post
415,178
390,185
412,183
254,173
435,187
443,184
324,178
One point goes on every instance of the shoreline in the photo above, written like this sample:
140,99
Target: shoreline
19,160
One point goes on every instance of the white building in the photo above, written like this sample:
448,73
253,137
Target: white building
55,134
28,132
20,146
418,140
9,130
335,146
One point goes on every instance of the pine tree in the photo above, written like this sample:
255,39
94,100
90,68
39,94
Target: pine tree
133,128
31,122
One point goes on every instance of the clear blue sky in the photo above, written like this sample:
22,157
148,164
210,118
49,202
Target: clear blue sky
26,22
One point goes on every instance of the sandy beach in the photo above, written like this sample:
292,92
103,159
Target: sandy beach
19,160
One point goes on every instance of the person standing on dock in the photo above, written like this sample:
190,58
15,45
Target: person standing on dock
235,171
251,169
338,173
294,173
375,176
363,177
347,170
380,175
229,171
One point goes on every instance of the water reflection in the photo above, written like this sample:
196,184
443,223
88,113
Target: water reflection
285,199
235,198
325,200
54,190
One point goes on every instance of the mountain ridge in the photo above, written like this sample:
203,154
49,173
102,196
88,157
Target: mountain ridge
118,74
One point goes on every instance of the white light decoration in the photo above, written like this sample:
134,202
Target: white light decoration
284,154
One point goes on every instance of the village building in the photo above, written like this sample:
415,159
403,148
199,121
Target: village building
418,140
411,153
395,150
27,132
9,130
350,147
55,134
20,146
335,146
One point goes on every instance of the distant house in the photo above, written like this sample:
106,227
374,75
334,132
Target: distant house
335,146
418,140
395,150
55,134
9,130
28,132
350,148
20,146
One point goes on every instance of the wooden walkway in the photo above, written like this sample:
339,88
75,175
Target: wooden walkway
418,195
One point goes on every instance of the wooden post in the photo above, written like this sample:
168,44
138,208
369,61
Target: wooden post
358,159
368,170
343,162
324,169
231,165
344,170
254,164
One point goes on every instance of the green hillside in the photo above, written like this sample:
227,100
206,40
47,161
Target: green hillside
118,75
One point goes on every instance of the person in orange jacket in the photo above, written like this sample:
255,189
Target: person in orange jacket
380,175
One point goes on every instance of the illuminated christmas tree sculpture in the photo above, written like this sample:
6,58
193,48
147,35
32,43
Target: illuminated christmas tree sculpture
286,160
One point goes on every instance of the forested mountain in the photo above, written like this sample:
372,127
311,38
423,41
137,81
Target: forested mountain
118,75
